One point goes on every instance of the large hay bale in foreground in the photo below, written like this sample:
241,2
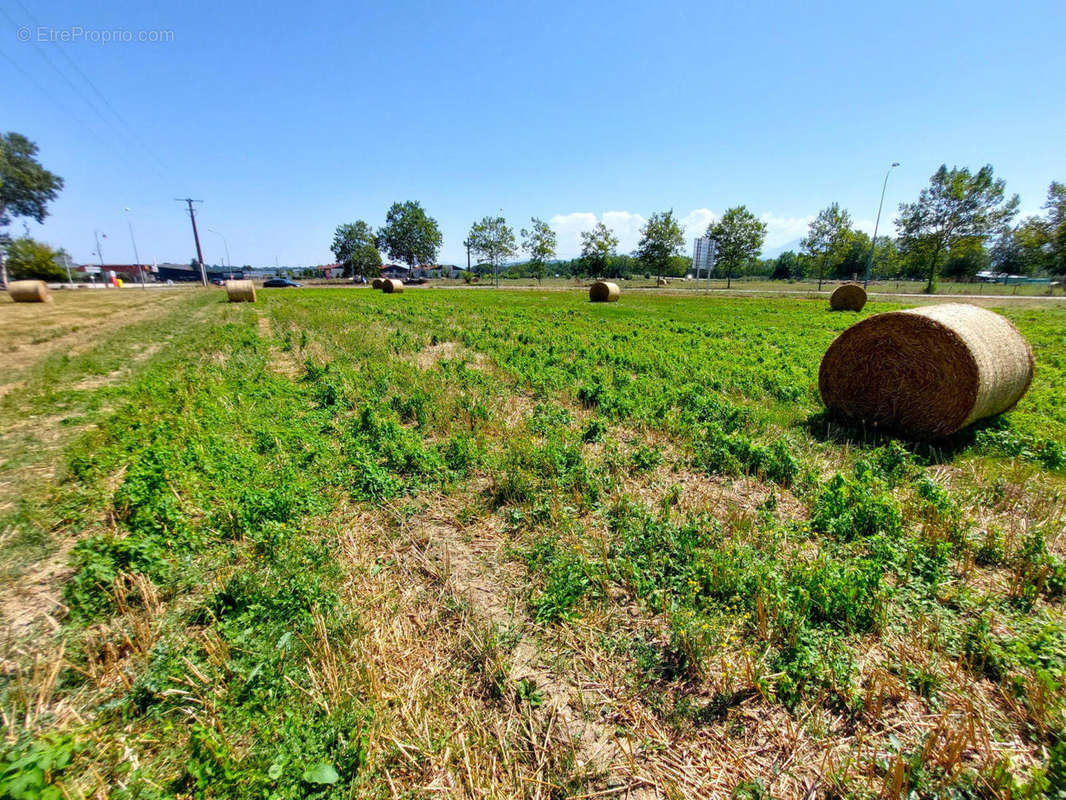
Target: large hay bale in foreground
604,292
392,286
376,283
848,297
29,292
926,372
240,291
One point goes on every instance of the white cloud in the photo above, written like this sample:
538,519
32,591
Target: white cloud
782,230
867,226
695,223
626,225
568,228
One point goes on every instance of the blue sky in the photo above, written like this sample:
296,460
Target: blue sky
287,120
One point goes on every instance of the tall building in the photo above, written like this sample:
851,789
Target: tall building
702,256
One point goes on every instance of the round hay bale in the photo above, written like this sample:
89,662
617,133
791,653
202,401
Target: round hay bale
662,282
377,282
848,297
926,372
604,292
392,286
29,292
240,291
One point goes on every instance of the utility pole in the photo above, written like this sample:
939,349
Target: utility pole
136,257
195,235
99,254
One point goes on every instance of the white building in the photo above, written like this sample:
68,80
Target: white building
702,256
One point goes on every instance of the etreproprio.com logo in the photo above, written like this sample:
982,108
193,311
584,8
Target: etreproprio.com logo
78,33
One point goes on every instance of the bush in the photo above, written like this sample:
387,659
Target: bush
31,260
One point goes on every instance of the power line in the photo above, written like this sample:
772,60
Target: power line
130,130
41,88
77,89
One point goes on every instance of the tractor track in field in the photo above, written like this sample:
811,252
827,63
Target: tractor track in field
469,566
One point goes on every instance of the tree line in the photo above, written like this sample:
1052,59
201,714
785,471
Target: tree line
962,223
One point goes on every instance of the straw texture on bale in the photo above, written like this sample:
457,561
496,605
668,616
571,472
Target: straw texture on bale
240,291
376,283
848,297
926,372
604,292
29,292
662,282
391,286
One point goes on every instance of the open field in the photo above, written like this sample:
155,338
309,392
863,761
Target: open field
512,544
946,288
901,291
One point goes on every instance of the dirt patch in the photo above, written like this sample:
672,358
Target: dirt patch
427,357
725,498
36,596
113,377
471,563
282,362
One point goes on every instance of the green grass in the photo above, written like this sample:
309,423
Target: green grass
207,589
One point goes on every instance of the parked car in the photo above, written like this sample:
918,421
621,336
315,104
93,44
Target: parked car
218,282
280,283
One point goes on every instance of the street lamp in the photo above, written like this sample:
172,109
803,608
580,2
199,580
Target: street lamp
99,253
877,222
224,244
136,257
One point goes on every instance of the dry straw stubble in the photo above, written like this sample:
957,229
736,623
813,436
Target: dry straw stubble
604,292
29,292
848,297
926,372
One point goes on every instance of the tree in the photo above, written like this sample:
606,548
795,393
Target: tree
738,238
887,263
597,247
955,205
494,241
788,266
1007,255
355,247
1056,228
826,237
965,259
26,188
410,235
661,241
539,242
28,259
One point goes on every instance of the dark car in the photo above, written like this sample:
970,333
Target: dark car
280,283
218,282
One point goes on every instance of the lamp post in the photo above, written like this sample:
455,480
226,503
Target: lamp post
225,244
99,253
136,257
877,222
